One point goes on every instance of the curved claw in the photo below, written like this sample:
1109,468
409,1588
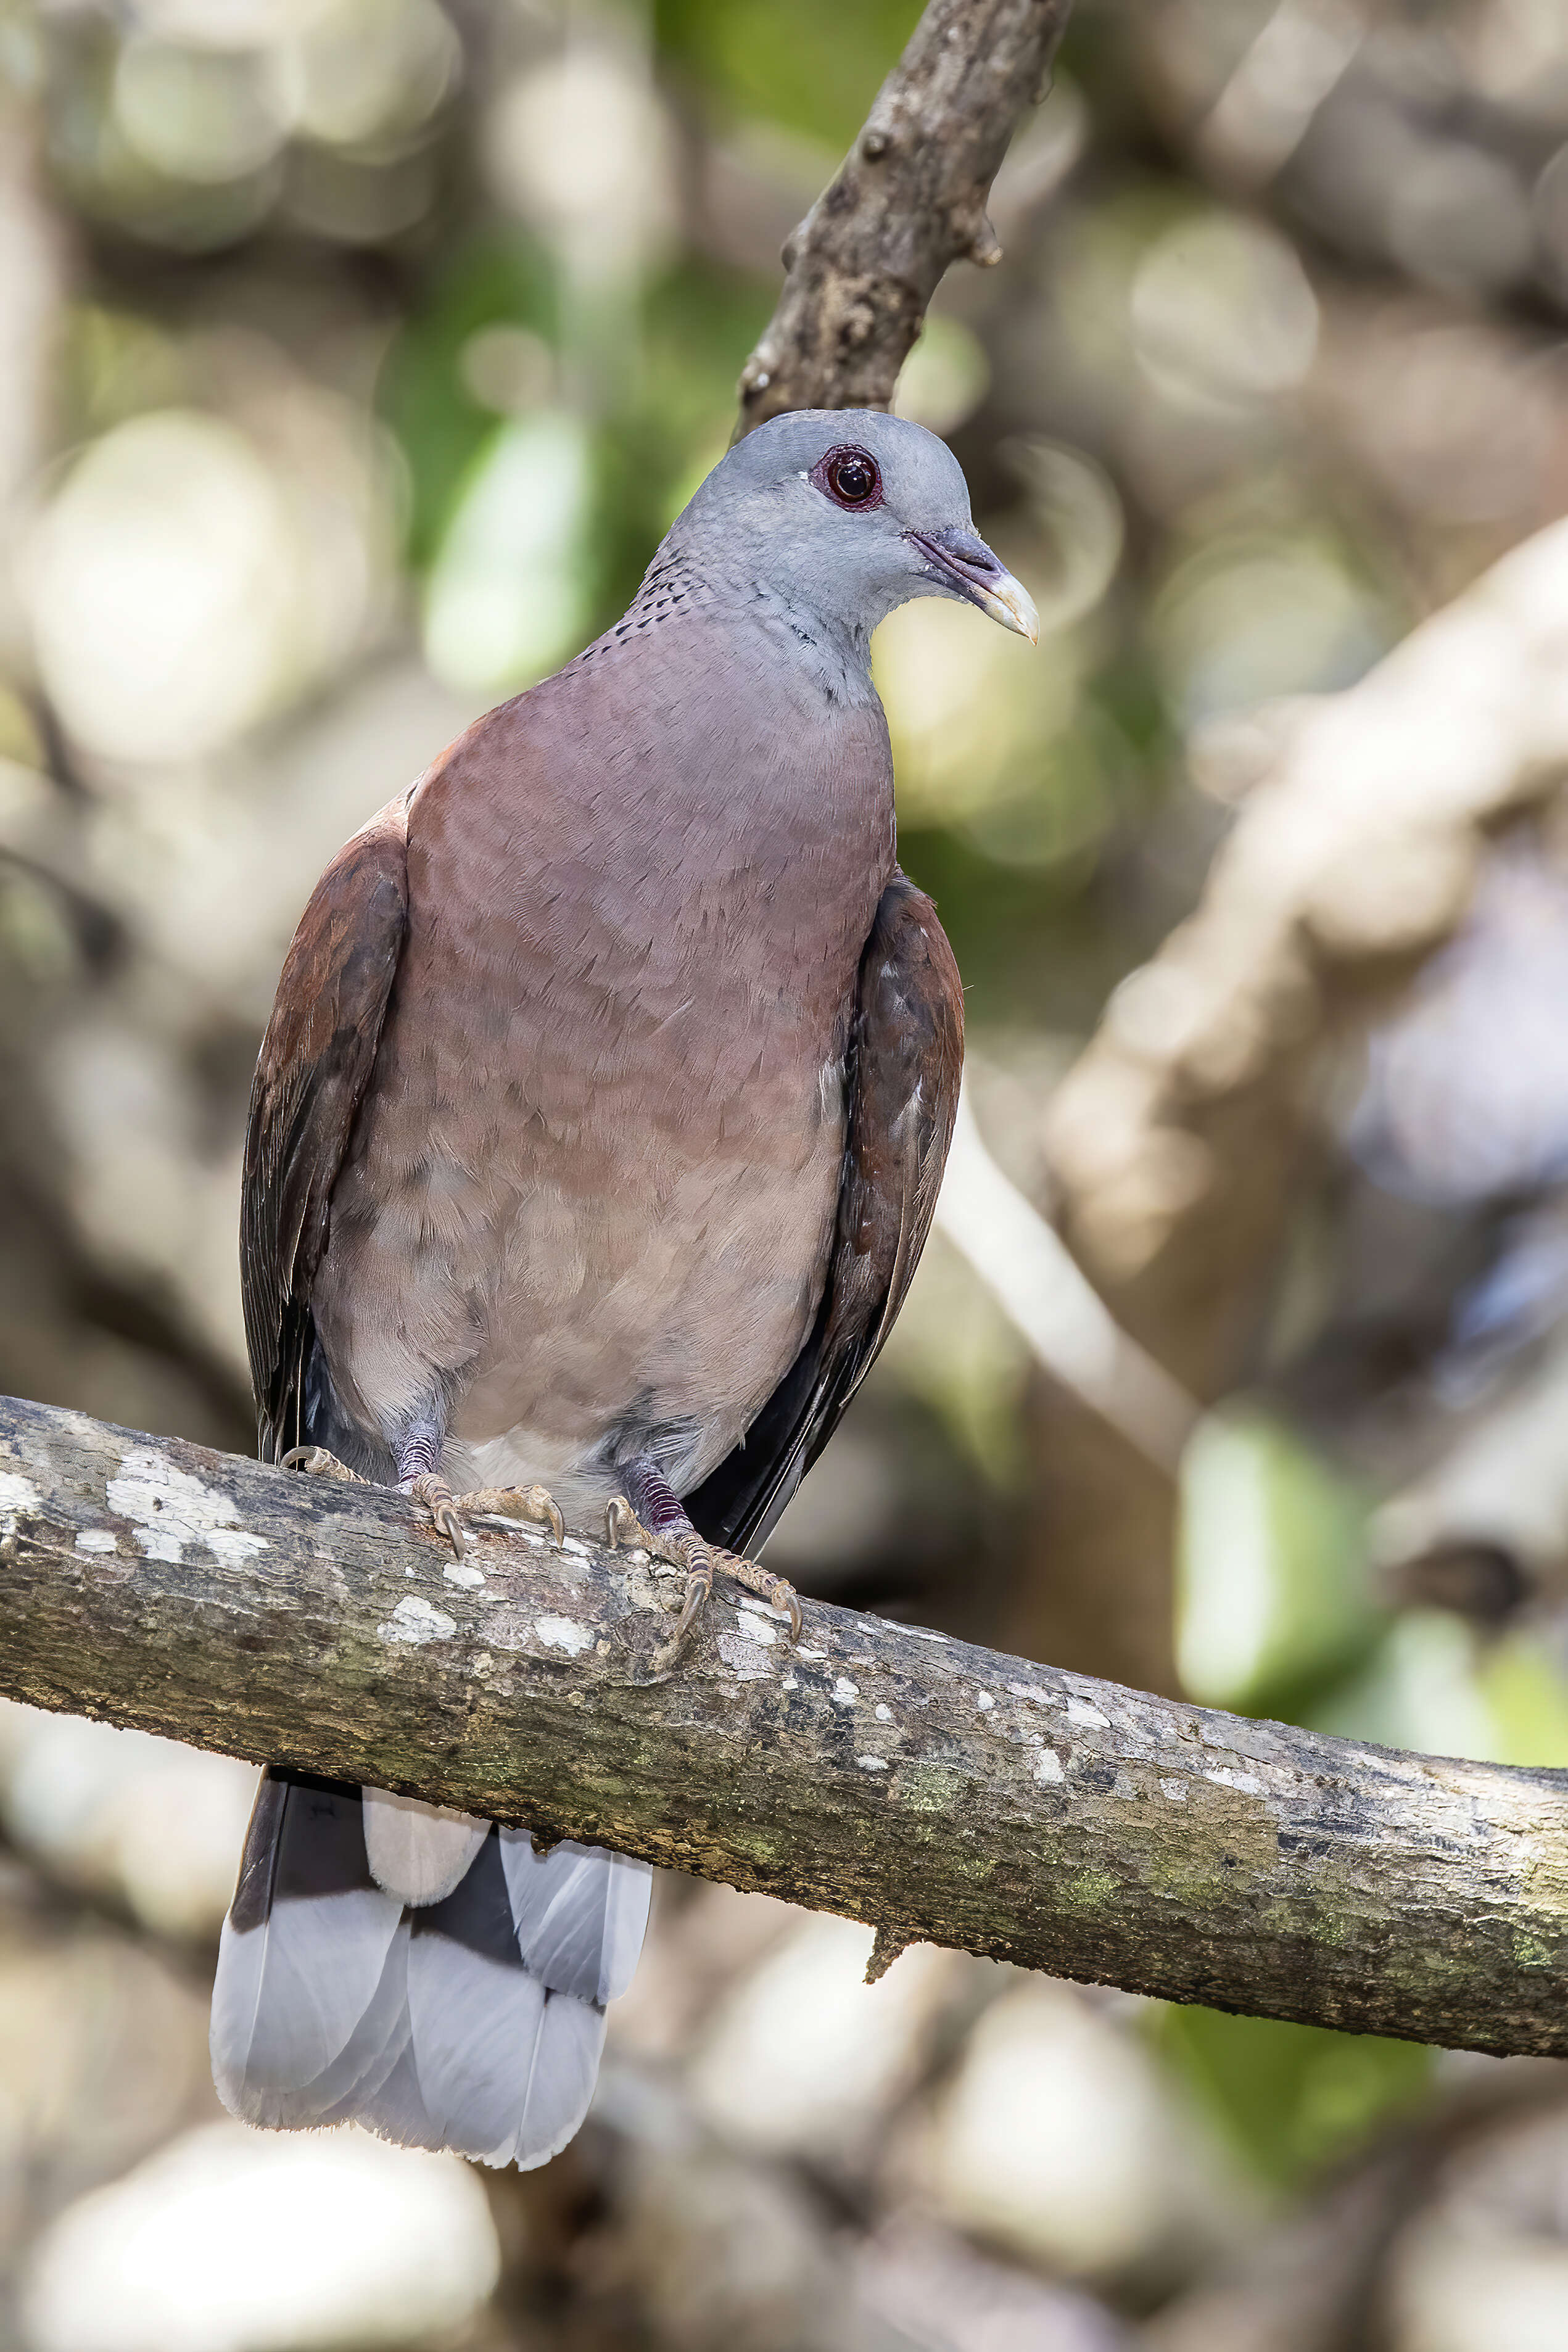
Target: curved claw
441,1504
779,1592
699,1585
776,1591
316,1461
535,1504
622,1524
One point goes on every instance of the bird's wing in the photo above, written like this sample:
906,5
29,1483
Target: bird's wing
315,1064
905,1057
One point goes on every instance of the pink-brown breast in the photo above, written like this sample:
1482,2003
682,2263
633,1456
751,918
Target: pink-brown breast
592,1183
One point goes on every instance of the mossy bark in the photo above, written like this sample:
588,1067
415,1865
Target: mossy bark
939,1790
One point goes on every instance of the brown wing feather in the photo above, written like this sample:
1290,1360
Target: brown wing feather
906,1058
315,1064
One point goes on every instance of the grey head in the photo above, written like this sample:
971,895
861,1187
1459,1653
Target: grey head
843,515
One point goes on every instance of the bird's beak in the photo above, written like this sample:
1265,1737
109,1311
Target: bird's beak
962,561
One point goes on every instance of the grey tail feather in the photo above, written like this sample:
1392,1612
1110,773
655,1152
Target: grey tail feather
473,2023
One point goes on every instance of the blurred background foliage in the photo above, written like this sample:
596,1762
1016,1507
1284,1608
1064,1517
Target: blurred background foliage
353,356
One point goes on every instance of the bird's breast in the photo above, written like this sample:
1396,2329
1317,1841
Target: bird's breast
604,1142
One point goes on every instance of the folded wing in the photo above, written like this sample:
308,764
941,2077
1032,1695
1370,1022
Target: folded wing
905,1059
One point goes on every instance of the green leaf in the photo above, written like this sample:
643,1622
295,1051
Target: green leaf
1271,1586
1291,2098
510,590
1523,1684
815,65
500,279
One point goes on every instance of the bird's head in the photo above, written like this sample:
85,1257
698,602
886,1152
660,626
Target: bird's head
849,513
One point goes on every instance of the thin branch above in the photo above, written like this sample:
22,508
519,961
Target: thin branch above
907,200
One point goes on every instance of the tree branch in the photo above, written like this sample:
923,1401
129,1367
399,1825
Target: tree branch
1174,1138
940,1791
908,199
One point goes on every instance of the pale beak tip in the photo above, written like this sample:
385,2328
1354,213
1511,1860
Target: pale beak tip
1010,603
967,568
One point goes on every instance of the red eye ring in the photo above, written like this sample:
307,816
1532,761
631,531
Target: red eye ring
850,476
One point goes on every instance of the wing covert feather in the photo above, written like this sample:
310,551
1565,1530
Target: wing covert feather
314,1067
906,1058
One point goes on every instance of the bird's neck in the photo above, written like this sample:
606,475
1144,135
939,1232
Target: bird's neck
826,653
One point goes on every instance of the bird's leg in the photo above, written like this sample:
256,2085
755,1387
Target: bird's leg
418,1477
651,1513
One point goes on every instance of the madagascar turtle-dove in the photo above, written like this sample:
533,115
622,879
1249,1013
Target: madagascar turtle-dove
594,1141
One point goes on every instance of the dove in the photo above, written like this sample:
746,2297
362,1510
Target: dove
594,1142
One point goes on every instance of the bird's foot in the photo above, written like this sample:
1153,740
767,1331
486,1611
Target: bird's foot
683,1548
439,1499
318,1462
533,1503
622,1525
776,1591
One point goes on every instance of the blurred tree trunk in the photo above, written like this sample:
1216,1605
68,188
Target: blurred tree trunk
1092,1584
32,294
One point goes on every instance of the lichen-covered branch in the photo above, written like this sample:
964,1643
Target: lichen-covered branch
908,199
940,1791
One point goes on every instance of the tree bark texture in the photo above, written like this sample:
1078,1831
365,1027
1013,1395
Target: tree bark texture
908,199
942,1792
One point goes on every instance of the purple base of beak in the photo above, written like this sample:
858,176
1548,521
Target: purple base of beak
963,563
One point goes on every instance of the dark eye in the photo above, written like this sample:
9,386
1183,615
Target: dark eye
850,478
853,478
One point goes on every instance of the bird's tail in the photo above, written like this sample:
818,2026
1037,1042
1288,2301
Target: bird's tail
420,1972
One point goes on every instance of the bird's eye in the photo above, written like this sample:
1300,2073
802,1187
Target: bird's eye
850,478
853,478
